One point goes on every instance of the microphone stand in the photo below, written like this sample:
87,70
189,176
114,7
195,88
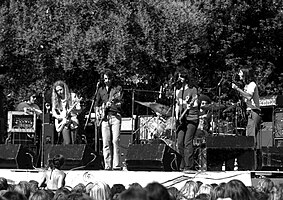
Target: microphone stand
89,115
42,132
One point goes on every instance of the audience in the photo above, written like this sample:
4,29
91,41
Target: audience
265,189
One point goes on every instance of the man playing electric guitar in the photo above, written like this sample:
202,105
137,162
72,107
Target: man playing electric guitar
110,95
65,108
187,113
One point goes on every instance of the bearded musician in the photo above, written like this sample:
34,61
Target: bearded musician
108,103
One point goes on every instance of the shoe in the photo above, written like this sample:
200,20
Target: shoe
117,168
108,168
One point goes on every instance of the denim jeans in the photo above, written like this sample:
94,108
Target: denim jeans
186,134
110,129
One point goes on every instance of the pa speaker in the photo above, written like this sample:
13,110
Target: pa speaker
16,156
77,156
152,157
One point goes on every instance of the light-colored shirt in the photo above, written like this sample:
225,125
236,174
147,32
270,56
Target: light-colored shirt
252,89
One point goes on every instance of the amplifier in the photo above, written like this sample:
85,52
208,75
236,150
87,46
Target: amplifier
19,121
128,124
230,142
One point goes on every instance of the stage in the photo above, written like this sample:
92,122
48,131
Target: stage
168,179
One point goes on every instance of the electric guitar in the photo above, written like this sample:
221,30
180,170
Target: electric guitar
190,101
104,109
60,124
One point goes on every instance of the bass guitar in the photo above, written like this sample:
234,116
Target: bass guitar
104,109
189,105
60,124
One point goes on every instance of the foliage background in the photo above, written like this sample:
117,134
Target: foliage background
143,41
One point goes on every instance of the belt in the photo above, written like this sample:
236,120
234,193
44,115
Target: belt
112,113
256,111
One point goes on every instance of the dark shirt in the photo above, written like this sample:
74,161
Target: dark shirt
114,95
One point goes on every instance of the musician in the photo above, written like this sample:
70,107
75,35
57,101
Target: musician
204,117
109,98
29,106
65,109
187,114
250,95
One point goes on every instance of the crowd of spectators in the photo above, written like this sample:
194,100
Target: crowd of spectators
232,190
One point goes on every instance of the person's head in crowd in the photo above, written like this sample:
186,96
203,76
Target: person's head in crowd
116,189
199,183
100,191
24,188
57,162
78,196
61,194
280,190
133,193
275,193
14,195
33,184
156,191
88,187
217,192
173,192
135,185
40,195
79,188
236,190
214,185
3,183
265,185
189,190
205,189
202,196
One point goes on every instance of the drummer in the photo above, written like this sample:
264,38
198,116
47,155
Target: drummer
204,117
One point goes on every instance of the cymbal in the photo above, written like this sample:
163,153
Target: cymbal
157,107
213,107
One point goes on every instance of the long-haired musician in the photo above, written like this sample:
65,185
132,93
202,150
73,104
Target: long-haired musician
65,108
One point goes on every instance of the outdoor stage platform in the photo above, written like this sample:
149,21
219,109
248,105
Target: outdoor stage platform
168,179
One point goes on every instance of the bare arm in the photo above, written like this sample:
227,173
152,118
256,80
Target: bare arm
242,92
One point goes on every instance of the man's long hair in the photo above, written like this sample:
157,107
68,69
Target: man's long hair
55,100
248,75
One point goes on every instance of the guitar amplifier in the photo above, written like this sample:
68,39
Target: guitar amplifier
19,121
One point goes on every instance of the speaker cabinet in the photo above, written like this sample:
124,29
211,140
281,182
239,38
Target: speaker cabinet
278,123
126,139
152,157
265,136
225,149
271,158
17,156
77,156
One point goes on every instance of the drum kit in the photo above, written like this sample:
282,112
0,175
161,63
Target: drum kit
161,126
226,119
